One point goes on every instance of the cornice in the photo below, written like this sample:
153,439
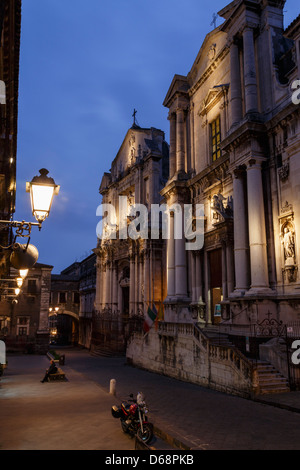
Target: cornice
209,71
246,130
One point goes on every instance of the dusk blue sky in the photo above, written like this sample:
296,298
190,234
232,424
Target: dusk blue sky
84,67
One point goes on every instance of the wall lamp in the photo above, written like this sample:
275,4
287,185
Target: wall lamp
42,188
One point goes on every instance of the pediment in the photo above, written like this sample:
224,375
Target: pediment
227,11
105,182
179,86
211,99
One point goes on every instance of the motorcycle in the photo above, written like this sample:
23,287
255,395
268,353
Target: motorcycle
133,417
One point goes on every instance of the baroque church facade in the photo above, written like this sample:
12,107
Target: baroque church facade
130,271
234,147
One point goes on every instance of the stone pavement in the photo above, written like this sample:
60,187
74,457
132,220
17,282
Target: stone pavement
186,414
71,415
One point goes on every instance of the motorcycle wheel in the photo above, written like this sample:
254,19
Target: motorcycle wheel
124,426
147,433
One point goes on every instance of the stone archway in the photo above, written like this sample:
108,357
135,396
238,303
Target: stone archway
66,327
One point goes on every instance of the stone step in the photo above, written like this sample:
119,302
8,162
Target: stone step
105,352
275,390
270,380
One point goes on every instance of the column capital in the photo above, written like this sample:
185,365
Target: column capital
233,41
172,116
249,26
239,171
180,109
255,162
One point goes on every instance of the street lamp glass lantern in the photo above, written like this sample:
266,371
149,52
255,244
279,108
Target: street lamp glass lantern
19,281
42,188
23,273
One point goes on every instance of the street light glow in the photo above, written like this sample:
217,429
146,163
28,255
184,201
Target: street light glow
42,188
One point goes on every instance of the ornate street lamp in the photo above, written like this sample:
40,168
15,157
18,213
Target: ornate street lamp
42,188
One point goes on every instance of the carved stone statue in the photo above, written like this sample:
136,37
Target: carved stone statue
288,246
218,205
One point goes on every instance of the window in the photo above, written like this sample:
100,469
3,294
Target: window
22,331
76,297
31,287
22,326
215,135
62,297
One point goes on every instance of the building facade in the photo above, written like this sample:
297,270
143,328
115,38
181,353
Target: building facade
72,303
24,321
130,270
235,117
10,25
87,293
234,148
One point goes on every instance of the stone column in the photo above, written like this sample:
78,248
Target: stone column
98,285
199,293
111,300
207,288
115,288
224,271
192,136
137,287
257,228
146,278
120,298
192,270
172,155
180,266
132,285
180,154
104,275
241,245
108,284
235,85
171,260
141,281
230,267
250,71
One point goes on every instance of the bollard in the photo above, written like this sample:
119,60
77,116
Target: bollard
112,388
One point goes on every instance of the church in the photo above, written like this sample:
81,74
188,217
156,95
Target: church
130,270
234,304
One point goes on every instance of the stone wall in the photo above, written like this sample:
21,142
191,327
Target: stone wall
183,352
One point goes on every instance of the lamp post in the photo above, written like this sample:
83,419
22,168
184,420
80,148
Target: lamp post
42,189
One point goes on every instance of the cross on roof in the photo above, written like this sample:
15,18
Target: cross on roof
134,113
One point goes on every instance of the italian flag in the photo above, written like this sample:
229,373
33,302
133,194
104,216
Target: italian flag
150,318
